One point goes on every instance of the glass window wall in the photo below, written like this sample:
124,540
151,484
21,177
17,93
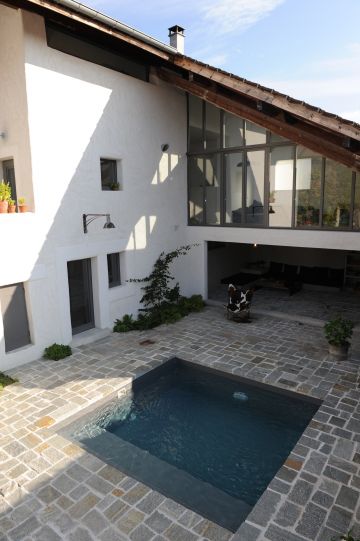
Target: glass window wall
337,195
212,127
196,138
254,134
233,131
255,167
196,190
212,189
234,187
281,186
308,187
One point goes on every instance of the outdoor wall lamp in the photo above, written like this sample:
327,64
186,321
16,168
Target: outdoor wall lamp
165,147
88,218
2,134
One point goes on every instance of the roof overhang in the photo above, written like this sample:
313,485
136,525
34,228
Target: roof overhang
323,132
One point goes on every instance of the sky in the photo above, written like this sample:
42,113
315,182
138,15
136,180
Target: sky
309,49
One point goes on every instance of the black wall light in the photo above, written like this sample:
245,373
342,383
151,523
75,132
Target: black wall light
88,218
165,147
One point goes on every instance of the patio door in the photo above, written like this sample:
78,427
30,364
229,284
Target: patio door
81,295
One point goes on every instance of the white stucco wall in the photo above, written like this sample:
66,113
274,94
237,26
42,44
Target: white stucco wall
77,113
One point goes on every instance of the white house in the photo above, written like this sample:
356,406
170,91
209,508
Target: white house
98,118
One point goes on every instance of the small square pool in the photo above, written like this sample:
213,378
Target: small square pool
208,440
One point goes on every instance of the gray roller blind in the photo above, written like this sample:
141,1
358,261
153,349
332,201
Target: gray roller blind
15,320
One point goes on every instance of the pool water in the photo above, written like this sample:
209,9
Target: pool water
210,442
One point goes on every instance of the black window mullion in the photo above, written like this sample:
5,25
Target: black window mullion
293,217
266,187
244,173
352,200
322,193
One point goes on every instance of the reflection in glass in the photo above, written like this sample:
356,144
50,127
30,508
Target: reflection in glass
337,194
233,130
281,186
196,190
275,138
356,216
196,142
308,187
254,211
212,189
234,191
254,134
212,127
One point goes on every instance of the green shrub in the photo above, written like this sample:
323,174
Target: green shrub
6,380
125,324
338,331
56,352
5,191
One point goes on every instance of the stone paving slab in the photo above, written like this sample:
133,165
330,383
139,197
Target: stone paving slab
51,489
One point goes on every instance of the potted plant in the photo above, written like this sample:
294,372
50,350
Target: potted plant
11,206
338,332
22,206
5,194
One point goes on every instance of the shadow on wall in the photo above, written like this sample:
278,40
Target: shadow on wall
80,112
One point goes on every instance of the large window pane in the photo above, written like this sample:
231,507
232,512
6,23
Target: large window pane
234,191
337,195
196,190
233,130
308,187
254,134
196,142
356,217
281,186
254,212
212,127
212,189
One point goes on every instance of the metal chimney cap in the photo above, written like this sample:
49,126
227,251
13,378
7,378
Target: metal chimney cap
176,29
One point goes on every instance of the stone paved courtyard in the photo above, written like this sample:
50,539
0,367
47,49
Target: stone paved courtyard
320,305
50,489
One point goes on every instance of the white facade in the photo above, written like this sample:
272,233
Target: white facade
61,115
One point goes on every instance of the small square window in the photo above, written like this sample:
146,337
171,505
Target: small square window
109,176
113,261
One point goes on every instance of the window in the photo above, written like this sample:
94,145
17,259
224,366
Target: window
236,167
8,173
308,187
113,261
337,195
281,186
15,319
109,176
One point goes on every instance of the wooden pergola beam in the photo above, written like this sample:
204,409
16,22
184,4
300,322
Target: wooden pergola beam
325,143
272,97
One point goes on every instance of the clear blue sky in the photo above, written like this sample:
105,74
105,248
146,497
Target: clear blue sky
309,49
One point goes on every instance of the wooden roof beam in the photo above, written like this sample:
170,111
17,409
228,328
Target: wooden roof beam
274,98
304,135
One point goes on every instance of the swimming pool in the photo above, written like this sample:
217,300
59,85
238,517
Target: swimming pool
209,440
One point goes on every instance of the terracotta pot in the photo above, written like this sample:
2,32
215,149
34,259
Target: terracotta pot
3,207
11,209
339,352
23,208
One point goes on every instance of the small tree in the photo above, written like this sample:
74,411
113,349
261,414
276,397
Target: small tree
157,290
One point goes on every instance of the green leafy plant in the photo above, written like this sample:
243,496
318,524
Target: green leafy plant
21,201
6,380
11,202
56,352
157,289
338,331
5,191
162,303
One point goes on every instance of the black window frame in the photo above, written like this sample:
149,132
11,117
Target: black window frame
114,269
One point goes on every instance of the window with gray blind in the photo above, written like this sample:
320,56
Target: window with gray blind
14,314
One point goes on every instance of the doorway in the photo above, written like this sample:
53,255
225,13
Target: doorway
81,295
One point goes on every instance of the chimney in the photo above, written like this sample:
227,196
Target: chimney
177,38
